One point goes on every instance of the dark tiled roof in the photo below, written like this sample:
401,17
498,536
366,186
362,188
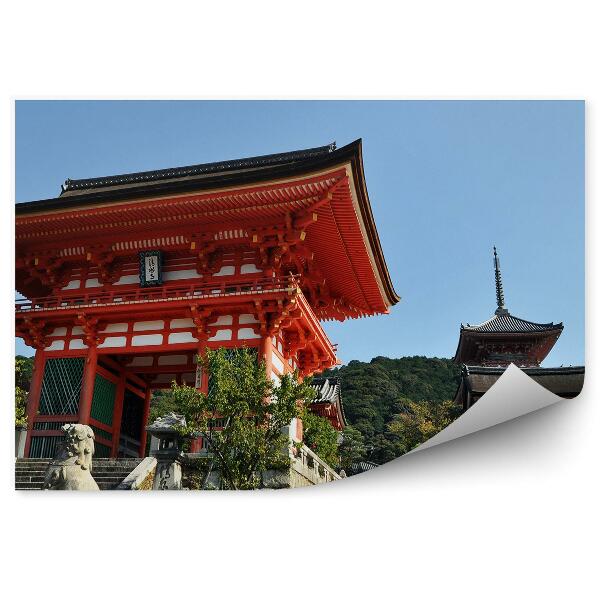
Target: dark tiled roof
254,162
327,389
507,323
538,371
566,382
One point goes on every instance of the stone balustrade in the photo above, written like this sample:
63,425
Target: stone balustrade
309,465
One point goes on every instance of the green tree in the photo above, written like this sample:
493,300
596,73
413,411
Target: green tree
420,421
252,413
161,403
320,436
352,449
375,393
22,379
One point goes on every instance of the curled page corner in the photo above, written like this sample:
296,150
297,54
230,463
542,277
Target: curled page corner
513,395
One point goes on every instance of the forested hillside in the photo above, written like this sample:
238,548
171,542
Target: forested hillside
397,403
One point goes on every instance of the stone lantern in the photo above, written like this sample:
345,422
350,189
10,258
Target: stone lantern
169,452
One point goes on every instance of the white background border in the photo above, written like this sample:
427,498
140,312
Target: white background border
511,512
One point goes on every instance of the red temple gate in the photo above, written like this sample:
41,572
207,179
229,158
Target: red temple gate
127,279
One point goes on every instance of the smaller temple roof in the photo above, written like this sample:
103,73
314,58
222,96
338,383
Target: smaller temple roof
328,390
566,382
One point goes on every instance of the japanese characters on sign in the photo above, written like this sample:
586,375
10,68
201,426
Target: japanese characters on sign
150,268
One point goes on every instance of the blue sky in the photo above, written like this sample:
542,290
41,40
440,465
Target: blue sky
447,180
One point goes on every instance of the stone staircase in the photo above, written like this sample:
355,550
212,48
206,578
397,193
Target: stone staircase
108,472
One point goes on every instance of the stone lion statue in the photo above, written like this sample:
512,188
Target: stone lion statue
70,467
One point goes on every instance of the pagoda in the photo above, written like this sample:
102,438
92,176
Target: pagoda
127,279
487,349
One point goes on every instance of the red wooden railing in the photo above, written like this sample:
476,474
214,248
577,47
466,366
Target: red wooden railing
158,294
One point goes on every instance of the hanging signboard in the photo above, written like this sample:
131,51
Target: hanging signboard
150,268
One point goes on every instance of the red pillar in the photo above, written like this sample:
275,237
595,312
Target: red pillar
35,391
118,414
204,373
146,413
196,444
266,353
87,386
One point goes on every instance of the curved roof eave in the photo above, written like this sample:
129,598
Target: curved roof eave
352,152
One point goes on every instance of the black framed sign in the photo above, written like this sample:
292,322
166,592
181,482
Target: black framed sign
150,268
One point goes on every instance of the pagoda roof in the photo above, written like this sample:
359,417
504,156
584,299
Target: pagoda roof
504,326
507,323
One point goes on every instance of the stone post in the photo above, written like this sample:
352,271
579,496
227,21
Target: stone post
169,454
20,439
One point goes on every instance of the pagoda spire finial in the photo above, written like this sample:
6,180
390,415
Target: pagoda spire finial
501,310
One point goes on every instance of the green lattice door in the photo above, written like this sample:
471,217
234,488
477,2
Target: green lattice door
61,388
103,405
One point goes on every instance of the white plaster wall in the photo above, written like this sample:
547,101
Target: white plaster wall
124,279
247,333
76,345
225,270
147,340
249,268
115,328
58,331
114,342
183,274
223,320
221,335
181,338
56,345
181,323
246,318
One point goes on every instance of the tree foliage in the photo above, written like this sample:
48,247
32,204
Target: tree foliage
352,449
397,404
321,437
23,368
252,412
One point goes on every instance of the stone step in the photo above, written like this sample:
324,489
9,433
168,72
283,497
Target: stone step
104,483
95,466
119,476
107,472
28,486
129,459
94,471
